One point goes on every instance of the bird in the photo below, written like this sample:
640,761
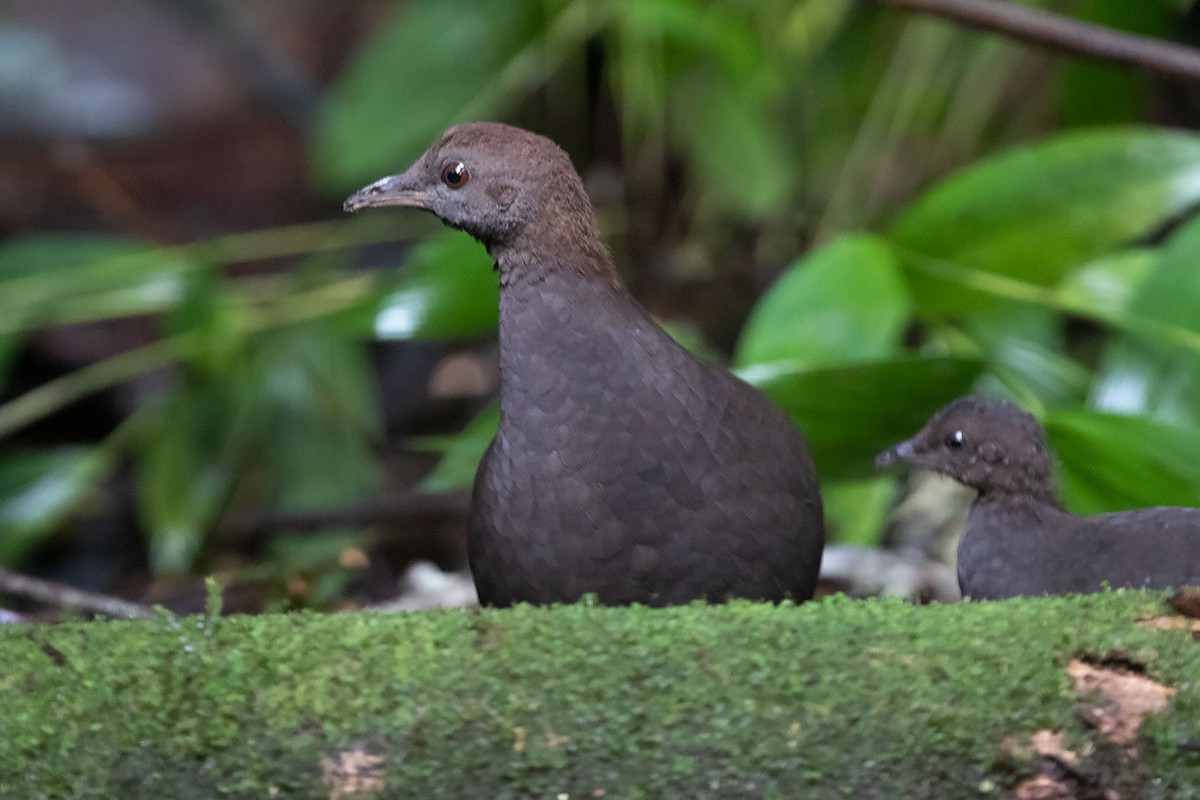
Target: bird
624,467
1019,540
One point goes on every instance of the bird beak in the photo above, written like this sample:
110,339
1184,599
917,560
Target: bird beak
394,190
901,453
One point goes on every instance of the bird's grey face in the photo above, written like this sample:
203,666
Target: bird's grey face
981,442
470,186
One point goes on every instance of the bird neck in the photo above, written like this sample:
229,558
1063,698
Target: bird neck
566,331
564,243
560,232
1021,472
1032,492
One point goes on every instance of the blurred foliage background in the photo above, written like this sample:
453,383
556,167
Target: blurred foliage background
205,367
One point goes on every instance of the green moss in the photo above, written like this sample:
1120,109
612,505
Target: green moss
829,699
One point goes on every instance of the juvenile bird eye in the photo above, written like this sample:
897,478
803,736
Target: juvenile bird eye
954,440
455,175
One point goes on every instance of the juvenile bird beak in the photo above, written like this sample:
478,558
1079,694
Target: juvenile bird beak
394,190
901,453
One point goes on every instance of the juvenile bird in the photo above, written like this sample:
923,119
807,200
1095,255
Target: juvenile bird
1019,541
623,466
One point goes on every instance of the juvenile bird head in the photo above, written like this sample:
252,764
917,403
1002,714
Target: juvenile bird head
511,189
985,443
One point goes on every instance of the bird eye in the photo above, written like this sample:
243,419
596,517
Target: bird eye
455,175
954,440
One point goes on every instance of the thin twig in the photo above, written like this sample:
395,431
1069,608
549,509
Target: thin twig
54,394
436,505
66,389
63,596
1040,27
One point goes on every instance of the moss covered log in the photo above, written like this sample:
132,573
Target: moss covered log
831,699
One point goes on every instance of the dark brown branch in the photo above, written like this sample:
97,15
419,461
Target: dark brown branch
1036,26
409,508
63,596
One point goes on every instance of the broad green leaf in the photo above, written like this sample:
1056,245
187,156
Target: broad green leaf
1111,462
51,254
1140,374
316,418
1025,351
1108,283
851,413
186,469
461,453
1037,212
212,313
844,302
315,465
447,290
431,63
75,277
311,367
39,490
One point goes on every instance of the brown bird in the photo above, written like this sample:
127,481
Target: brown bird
624,466
1019,541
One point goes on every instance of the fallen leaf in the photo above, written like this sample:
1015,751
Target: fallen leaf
1044,787
1052,744
352,772
1170,623
1114,700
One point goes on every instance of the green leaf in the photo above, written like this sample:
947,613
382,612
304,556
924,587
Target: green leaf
1025,350
1140,374
68,277
186,469
1108,284
461,453
850,413
39,491
431,63
316,418
446,291
1037,212
843,302
49,254
1111,462
218,321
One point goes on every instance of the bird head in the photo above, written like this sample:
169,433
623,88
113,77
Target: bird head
985,443
507,187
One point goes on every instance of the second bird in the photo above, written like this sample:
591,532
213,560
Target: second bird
1019,541
623,466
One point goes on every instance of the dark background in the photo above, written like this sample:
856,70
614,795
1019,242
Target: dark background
207,368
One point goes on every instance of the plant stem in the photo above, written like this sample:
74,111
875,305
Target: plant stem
1006,288
62,391
1035,26
63,596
